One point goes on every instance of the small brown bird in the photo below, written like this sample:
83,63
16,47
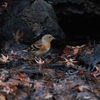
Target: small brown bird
42,46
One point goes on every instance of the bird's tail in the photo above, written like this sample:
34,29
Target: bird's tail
23,50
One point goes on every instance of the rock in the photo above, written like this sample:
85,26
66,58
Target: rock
33,18
76,6
79,19
92,59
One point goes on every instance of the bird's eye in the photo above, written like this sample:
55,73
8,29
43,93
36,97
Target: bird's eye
49,37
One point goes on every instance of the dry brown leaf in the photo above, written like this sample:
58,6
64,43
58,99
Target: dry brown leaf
47,61
97,72
30,62
26,83
6,89
39,61
49,84
2,97
88,48
96,90
21,76
88,51
98,67
12,52
72,50
77,49
1,83
35,26
38,85
48,71
4,59
69,62
6,45
67,51
81,73
47,95
82,87
17,36
10,87
13,88
83,96
5,4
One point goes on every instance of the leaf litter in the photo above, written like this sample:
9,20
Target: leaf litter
25,77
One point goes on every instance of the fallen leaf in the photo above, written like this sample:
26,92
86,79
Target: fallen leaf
83,96
67,51
21,76
76,50
5,4
47,61
13,53
47,95
69,62
39,61
6,89
48,72
95,74
38,85
22,96
82,87
25,83
2,97
4,59
2,83
6,45
96,90
17,36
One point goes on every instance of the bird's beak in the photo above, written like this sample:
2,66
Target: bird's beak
53,38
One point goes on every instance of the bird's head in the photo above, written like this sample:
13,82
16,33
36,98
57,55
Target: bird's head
47,38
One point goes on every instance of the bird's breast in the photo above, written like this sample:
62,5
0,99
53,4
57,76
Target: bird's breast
45,47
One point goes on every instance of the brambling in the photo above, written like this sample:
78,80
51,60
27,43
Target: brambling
42,46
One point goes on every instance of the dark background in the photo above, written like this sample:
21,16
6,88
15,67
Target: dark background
79,19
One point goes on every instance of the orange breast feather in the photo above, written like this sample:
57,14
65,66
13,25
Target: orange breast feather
45,47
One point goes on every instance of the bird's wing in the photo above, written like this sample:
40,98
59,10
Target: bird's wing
36,46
